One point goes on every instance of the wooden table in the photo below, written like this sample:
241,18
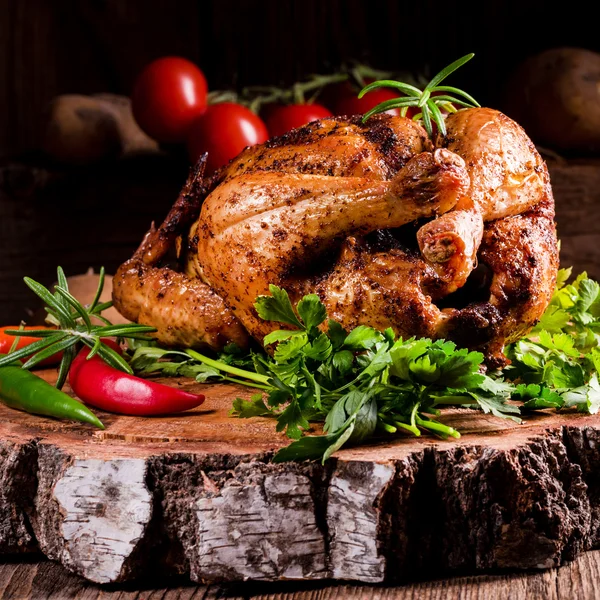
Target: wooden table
39,578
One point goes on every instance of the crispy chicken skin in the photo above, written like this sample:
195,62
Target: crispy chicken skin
522,253
507,175
284,224
377,220
185,311
337,147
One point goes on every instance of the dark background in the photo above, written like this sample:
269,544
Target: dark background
88,46
95,216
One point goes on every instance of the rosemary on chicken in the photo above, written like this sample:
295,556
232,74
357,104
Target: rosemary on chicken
76,324
364,382
431,100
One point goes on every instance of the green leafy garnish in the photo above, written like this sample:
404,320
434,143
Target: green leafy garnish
431,100
558,361
364,382
76,325
355,383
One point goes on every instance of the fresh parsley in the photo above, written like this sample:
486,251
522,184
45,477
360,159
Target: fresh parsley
365,382
556,365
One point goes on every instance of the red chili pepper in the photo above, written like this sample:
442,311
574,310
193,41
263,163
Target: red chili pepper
100,385
6,342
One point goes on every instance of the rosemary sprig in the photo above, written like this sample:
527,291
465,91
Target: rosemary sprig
75,325
429,104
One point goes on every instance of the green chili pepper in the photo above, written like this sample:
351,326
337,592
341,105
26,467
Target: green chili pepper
25,391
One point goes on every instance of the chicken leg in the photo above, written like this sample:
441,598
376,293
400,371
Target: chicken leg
508,177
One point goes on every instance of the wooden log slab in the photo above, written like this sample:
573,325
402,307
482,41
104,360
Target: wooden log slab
197,493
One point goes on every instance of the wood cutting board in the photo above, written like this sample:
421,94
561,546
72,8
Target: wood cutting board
197,494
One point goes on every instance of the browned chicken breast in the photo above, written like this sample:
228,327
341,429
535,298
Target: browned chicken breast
384,225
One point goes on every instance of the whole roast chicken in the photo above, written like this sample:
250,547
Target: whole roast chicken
454,239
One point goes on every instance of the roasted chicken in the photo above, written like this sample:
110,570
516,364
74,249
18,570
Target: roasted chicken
451,240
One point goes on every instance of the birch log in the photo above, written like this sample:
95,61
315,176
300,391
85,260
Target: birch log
198,494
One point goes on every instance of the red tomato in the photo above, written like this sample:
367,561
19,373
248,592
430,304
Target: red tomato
168,95
283,118
223,131
343,99
353,105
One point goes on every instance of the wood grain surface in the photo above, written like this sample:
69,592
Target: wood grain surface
37,579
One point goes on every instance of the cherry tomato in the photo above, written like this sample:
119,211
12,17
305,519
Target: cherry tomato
283,118
223,131
343,99
353,105
168,95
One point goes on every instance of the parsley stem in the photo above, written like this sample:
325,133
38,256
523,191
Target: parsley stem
386,427
228,368
347,385
413,415
247,383
356,380
386,423
413,430
439,428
